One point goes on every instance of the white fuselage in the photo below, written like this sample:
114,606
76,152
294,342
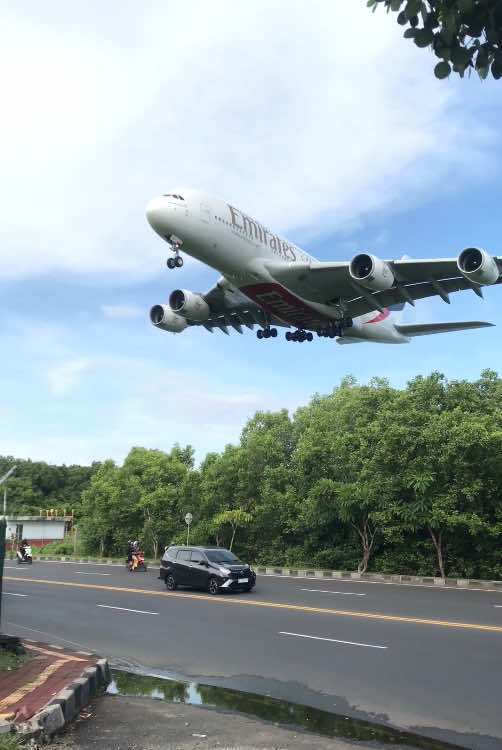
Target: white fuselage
230,241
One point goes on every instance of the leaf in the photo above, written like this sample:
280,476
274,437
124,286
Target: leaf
423,37
410,33
401,19
442,70
413,7
497,67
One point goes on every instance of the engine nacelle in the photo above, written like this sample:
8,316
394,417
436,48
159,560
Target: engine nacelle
371,272
189,305
163,317
477,266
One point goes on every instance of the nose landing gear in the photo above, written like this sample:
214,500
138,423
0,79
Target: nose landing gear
177,261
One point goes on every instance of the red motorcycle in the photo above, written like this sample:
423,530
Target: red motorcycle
137,562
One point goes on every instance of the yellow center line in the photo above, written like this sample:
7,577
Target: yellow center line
273,605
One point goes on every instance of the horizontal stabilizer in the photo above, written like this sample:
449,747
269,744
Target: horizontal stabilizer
424,329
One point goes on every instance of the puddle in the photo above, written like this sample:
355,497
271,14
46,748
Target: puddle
269,709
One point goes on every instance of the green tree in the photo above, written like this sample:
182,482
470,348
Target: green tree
235,518
463,34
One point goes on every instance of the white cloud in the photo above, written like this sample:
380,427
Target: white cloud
311,117
64,377
122,311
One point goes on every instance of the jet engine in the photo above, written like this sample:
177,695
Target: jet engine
189,305
371,272
163,317
476,265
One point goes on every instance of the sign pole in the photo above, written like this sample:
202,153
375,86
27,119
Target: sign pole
188,521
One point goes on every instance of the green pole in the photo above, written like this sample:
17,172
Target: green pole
2,557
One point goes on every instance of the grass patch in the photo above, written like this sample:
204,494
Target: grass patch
10,742
9,662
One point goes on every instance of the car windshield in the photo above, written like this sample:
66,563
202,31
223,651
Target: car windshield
222,556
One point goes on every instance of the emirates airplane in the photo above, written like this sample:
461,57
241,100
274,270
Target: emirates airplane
270,282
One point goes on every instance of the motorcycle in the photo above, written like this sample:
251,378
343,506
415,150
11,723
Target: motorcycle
23,556
137,564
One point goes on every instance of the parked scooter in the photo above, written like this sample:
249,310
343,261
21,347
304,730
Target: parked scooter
23,555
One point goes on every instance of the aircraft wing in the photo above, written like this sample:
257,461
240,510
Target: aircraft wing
229,307
414,279
424,329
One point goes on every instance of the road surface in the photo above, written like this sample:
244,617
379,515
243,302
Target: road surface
426,659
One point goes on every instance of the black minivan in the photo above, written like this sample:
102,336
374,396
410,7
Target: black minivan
212,568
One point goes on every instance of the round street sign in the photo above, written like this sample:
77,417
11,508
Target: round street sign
188,519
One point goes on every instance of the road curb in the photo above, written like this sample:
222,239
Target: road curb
65,705
379,577
473,583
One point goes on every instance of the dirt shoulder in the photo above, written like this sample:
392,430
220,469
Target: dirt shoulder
122,723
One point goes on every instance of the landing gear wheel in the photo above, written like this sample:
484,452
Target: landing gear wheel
178,261
171,263
266,333
259,333
212,586
273,332
171,584
288,335
309,336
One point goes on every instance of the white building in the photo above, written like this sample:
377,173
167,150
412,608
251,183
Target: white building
38,530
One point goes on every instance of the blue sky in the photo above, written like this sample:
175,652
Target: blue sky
322,122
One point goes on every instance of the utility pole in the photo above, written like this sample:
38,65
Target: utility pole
3,527
2,480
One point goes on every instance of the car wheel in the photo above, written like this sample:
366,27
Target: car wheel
212,586
171,584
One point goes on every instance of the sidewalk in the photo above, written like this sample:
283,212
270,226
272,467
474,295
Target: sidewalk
49,688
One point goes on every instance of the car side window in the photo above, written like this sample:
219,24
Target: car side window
184,554
197,557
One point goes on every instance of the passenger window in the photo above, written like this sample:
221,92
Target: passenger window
184,554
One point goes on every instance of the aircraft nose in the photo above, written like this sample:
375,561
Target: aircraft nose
155,211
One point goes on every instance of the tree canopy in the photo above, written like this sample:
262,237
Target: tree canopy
463,34
368,476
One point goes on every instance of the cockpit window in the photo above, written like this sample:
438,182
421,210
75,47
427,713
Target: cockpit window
173,195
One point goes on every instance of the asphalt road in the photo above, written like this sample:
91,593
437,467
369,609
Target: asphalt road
426,659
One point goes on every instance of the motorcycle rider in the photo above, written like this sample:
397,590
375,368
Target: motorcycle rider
24,551
134,552
129,553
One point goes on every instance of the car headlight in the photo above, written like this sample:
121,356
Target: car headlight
225,571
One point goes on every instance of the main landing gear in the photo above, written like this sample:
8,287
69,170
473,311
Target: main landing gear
299,335
177,261
266,333
335,329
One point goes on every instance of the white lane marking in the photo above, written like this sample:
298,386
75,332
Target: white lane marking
125,609
327,591
81,573
380,583
9,593
332,640
498,606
